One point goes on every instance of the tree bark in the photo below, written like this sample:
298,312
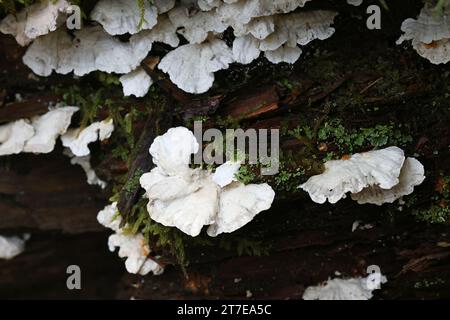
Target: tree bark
308,243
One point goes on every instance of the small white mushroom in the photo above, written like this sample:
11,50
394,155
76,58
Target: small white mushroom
13,136
124,16
133,247
47,128
342,289
136,83
34,20
430,35
191,67
374,168
11,246
77,140
91,49
189,199
411,175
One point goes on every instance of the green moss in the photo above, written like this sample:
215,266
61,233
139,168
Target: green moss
439,211
133,183
12,6
288,180
247,174
429,283
434,214
141,5
353,140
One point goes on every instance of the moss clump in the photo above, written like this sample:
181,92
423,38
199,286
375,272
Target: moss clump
353,140
133,183
439,211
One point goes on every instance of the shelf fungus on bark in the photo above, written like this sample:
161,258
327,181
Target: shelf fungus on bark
123,16
85,163
377,177
12,246
35,20
133,247
345,289
279,36
35,135
190,199
92,49
77,140
136,83
429,34
191,66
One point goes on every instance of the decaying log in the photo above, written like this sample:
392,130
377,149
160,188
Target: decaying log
46,196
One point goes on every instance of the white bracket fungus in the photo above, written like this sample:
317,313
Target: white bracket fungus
225,174
430,35
34,20
136,83
38,135
280,40
259,25
411,175
242,12
47,128
343,289
91,49
85,164
133,247
12,246
379,169
195,28
164,32
13,136
191,67
77,140
163,5
192,198
283,54
123,16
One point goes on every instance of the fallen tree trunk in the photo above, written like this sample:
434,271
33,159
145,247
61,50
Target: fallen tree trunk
357,76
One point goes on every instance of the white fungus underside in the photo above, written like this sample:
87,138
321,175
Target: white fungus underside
34,20
374,168
123,16
92,49
136,83
78,140
411,175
